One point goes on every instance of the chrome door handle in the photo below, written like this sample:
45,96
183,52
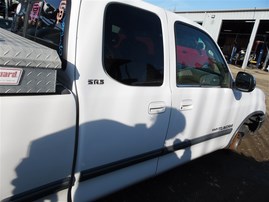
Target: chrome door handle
186,105
156,107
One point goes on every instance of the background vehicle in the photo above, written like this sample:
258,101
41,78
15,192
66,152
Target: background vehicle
8,8
139,91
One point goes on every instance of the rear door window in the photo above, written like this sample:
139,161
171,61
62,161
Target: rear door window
133,46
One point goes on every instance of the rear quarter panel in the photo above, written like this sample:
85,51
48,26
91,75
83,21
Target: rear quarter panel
37,138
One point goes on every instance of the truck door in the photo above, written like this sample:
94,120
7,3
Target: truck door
201,92
123,89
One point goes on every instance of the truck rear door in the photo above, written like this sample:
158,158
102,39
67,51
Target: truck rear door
124,92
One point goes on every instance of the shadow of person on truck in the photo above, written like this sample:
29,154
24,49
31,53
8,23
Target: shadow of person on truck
47,167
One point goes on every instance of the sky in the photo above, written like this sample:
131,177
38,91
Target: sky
198,5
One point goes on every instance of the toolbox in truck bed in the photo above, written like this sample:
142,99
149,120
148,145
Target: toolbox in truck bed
26,66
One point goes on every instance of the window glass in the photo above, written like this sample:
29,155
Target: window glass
199,62
133,46
41,21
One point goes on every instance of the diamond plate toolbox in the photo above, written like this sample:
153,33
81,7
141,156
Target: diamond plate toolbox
26,66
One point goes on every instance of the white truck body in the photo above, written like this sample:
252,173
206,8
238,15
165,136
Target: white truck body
104,132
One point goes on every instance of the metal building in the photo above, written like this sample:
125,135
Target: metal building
243,35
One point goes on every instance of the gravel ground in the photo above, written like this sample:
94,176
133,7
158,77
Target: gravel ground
220,176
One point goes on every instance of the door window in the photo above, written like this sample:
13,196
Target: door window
199,61
133,46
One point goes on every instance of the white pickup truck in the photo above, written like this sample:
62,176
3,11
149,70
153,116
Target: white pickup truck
119,91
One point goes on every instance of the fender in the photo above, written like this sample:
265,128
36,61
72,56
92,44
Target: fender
252,123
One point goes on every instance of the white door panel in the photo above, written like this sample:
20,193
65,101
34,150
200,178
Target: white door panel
204,110
125,97
126,128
